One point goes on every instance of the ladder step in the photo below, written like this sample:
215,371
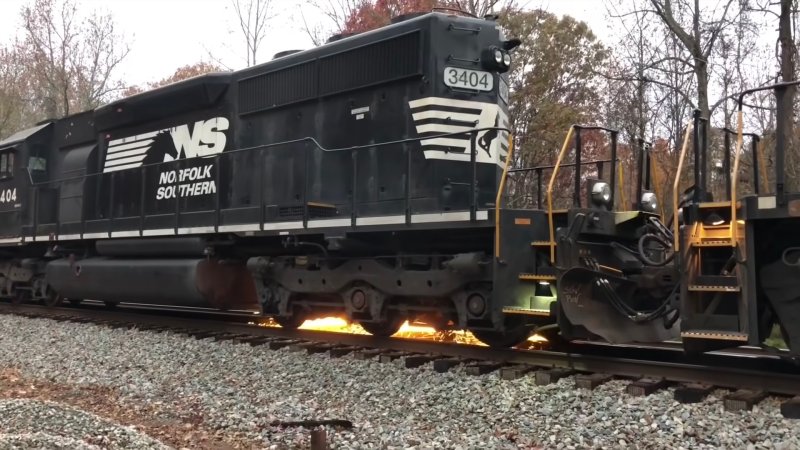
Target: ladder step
541,243
536,277
716,280
707,288
718,242
526,311
713,205
717,335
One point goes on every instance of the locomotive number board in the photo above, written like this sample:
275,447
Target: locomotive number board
478,80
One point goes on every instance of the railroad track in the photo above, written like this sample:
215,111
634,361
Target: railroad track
750,374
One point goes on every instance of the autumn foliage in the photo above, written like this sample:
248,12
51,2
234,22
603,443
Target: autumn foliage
371,15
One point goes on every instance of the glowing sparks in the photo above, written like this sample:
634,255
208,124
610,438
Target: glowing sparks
408,330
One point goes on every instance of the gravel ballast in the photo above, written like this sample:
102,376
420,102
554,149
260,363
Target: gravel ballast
202,393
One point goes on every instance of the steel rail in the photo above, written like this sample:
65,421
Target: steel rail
723,369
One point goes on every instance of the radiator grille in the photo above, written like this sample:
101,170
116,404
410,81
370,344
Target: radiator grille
372,64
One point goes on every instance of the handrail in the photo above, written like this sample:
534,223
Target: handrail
735,174
621,186
552,166
56,183
499,196
657,187
294,141
676,186
762,166
550,193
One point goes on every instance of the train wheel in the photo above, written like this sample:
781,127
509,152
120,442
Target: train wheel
52,298
21,296
384,328
293,321
75,301
516,332
110,304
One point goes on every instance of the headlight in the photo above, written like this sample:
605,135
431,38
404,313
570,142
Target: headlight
649,202
601,193
507,60
498,56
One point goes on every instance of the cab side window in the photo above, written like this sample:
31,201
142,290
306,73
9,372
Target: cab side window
6,165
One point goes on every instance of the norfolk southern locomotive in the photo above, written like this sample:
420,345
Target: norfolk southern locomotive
326,180
367,178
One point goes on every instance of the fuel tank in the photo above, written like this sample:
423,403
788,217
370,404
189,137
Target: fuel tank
206,283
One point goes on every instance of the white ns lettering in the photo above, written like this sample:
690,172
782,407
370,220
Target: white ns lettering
207,137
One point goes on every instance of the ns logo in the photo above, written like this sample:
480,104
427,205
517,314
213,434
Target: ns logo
201,138
206,138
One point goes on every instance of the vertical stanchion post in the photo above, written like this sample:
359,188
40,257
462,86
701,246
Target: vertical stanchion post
142,193
354,187
613,183
696,148
111,203
407,153
754,154
177,194
306,159
576,193
217,198
538,188
262,210
473,182
726,163
641,164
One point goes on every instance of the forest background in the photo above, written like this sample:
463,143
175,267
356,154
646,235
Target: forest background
659,61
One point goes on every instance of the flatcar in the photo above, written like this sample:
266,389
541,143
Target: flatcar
720,273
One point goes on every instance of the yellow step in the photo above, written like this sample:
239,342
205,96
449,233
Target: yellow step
541,243
718,335
718,242
527,311
535,277
705,288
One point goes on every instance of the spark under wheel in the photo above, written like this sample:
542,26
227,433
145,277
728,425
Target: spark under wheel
293,321
516,332
384,328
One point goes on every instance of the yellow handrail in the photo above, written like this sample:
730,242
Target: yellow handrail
621,189
550,194
676,187
735,175
499,197
762,167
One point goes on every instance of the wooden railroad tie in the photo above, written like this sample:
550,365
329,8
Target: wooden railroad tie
544,377
515,372
791,408
692,392
591,381
645,386
483,367
743,400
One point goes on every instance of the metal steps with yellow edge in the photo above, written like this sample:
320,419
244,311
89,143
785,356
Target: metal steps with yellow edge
527,311
541,243
717,335
712,242
536,277
715,283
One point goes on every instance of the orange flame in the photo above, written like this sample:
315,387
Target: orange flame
407,330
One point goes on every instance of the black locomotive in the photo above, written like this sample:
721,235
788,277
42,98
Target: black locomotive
358,177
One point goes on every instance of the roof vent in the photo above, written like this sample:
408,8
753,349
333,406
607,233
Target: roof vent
285,53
